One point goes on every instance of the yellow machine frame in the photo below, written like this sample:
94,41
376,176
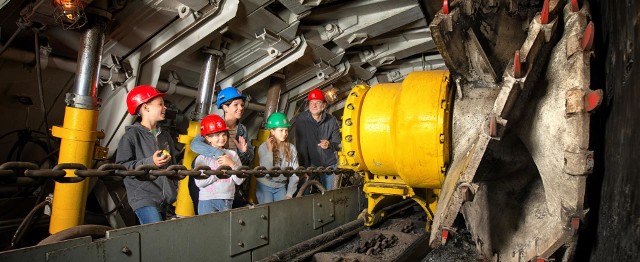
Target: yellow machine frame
398,136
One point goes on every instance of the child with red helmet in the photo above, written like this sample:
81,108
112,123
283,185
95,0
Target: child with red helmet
232,103
144,143
216,194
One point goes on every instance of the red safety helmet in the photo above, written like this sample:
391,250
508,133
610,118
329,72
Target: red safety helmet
316,94
212,124
140,95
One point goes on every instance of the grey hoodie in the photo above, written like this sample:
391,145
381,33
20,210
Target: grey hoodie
308,133
136,148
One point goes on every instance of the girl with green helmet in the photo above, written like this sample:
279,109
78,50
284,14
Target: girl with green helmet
277,152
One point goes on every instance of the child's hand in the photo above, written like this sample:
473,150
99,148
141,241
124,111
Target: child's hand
270,143
225,160
160,159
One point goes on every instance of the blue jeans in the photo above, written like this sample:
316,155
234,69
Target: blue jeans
213,205
148,215
267,194
326,180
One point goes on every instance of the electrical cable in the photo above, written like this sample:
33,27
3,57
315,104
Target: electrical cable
40,88
26,223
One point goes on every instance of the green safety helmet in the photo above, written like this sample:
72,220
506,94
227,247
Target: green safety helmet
277,120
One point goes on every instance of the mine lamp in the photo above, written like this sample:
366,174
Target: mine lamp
69,13
331,95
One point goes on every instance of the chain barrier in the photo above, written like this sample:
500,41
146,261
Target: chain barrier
111,172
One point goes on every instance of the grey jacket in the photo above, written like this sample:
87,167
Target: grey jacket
136,148
266,160
199,146
308,133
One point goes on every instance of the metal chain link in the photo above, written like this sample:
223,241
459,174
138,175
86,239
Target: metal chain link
113,172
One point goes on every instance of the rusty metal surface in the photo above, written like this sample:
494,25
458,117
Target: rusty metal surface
523,160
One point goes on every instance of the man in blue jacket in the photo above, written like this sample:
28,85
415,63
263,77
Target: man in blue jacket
317,135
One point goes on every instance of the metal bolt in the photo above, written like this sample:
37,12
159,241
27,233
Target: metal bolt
320,220
331,200
240,244
348,122
351,153
263,216
263,237
319,204
331,215
241,222
126,251
328,27
350,106
348,138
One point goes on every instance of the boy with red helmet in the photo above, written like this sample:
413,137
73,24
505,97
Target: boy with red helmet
216,194
144,143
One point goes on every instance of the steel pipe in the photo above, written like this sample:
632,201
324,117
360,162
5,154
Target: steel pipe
60,63
89,57
207,86
273,94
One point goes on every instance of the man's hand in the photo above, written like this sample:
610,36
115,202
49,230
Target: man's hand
241,144
160,159
324,144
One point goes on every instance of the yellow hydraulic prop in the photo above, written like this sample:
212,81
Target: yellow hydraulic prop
263,135
184,203
398,136
78,137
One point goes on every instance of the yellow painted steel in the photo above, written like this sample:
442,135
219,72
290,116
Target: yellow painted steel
351,153
263,135
399,135
78,136
184,203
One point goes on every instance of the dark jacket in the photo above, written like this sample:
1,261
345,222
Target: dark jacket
200,147
136,148
308,133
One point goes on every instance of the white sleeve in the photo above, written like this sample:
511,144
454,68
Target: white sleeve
237,164
201,161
